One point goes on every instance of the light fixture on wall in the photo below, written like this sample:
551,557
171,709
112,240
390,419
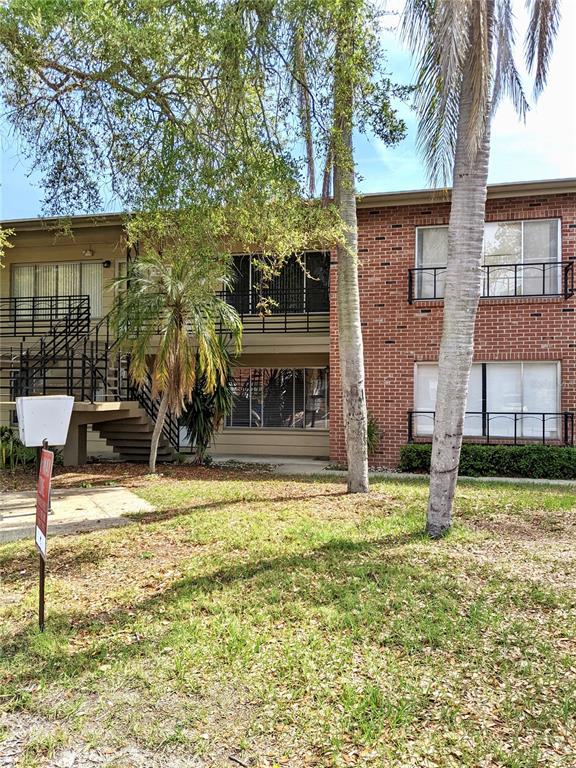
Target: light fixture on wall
88,253
107,264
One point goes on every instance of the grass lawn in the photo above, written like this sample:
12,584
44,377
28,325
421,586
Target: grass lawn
258,621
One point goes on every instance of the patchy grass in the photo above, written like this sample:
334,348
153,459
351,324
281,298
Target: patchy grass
281,622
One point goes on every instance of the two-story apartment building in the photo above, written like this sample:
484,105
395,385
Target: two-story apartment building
56,293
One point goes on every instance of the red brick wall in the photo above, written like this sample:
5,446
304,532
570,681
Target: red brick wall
398,334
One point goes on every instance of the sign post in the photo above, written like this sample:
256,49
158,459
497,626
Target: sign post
42,420
42,509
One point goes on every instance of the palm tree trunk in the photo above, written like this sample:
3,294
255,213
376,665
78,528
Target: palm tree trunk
462,294
160,418
351,349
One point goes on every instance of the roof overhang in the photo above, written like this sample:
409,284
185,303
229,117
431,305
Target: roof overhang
54,223
427,196
369,200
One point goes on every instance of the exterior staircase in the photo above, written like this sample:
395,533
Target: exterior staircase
77,356
130,438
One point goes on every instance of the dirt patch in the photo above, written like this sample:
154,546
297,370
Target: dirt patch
31,737
540,547
128,475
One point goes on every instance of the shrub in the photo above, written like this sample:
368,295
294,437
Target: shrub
205,410
373,435
12,452
552,462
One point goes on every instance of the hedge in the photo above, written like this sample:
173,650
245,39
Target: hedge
552,462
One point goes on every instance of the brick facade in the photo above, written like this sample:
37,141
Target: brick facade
398,334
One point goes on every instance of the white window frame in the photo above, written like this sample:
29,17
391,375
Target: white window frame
522,222
522,364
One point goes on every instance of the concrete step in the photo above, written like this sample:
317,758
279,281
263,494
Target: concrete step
133,459
136,441
136,424
140,448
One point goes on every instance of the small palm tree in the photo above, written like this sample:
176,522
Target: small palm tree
205,409
170,318
464,52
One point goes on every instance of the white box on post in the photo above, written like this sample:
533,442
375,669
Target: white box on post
44,418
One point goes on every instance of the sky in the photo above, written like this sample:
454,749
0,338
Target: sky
544,147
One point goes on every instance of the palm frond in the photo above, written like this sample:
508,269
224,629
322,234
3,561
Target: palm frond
542,30
167,311
438,34
506,78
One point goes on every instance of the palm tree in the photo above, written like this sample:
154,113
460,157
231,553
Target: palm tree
464,50
171,304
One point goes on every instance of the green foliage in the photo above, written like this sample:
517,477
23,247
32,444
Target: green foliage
221,105
12,451
206,407
537,461
169,301
373,435
5,235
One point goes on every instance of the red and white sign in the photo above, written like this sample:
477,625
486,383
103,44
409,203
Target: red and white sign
43,499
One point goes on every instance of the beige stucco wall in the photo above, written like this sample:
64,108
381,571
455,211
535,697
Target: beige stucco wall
33,245
41,246
238,441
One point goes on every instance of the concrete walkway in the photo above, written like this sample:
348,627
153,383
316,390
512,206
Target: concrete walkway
279,465
74,510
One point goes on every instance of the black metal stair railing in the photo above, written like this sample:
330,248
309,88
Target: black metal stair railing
142,394
502,427
35,362
526,280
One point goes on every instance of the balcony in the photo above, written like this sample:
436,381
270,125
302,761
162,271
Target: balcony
534,279
43,315
282,310
501,427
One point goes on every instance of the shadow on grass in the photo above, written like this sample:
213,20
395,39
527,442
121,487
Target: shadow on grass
188,508
17,565
347,577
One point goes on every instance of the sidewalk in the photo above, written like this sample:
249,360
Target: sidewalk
74,510
279,465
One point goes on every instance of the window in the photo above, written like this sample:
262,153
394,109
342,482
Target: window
520,259
66,279
280,398
431,257
292,289
504,400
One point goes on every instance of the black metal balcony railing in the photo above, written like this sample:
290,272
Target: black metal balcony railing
550,278
42,315
282,310
502,427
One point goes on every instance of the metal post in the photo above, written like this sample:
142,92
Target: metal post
41,598
41,563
